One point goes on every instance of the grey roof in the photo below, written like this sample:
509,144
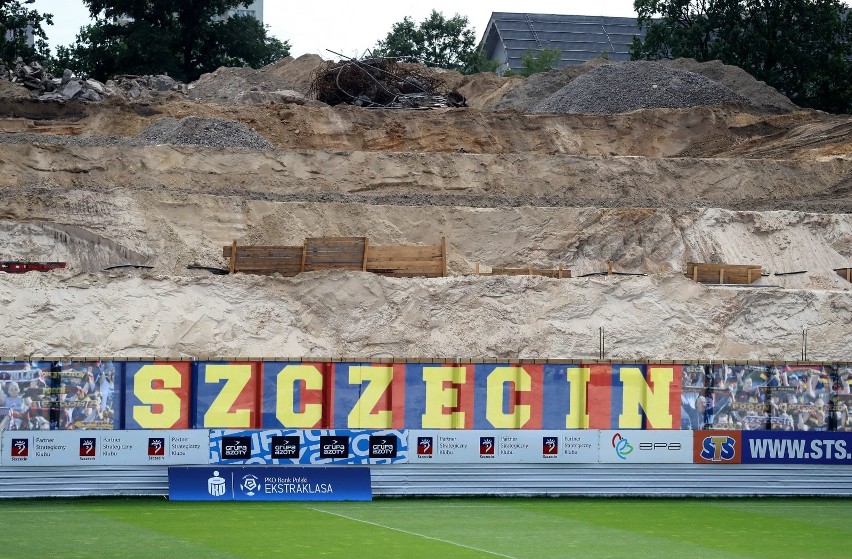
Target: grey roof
578,38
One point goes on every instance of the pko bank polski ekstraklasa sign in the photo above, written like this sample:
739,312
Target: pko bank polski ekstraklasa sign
270,483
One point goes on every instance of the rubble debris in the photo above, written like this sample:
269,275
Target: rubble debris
199,131
381,83
135,88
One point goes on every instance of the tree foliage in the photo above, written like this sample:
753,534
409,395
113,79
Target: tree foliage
15,18
800,47
181,38
534,62
436,41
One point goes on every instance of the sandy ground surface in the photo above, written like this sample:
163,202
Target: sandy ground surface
648,190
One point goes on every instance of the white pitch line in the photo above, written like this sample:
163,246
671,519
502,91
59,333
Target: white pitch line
415,534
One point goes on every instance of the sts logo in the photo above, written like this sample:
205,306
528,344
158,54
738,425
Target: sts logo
716,447
486,447
425,447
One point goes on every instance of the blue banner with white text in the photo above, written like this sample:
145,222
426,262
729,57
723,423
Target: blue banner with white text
270,483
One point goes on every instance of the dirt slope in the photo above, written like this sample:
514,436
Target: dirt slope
648,190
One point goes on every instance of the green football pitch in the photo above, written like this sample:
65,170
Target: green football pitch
521,528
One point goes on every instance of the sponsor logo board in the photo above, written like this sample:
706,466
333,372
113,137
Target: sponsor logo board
717,447
797,447
107,448
270,483
312,446
648,447
515,446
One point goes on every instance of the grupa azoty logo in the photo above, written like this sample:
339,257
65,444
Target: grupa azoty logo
621,445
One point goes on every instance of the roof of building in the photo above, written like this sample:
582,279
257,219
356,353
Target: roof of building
577,38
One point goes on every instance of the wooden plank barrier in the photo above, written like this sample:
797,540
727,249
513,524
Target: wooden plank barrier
286,260
340,253
845,273
407,261
558,273
723,273
334,253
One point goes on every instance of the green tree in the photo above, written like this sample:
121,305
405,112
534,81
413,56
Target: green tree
182,38
800,47
436,41
533,62
15,18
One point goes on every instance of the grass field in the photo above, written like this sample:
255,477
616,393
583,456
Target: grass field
517,528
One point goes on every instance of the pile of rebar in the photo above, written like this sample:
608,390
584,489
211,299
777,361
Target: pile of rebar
381,83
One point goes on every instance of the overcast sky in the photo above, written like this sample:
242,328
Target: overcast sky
349,27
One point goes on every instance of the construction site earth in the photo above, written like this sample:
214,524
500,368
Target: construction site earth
602,181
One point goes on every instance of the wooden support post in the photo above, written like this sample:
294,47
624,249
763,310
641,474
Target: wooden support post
849,274
748,275
560,271
443,257
695,272
304,255
477,269
233,264
721,275
529,269
364,263
609,268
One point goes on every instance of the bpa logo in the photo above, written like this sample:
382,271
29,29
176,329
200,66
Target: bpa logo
717,447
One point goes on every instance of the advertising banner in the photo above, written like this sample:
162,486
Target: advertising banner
270,483
647,447
294,446
104,448
157,395
718,447
797,447
478,447
227,395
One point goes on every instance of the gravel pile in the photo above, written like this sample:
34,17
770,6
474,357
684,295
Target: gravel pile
628,86
199,131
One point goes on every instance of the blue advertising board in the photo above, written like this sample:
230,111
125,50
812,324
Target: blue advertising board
270,483
797,447
316,446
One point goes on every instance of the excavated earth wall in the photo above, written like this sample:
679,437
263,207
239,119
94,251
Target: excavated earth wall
648,191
